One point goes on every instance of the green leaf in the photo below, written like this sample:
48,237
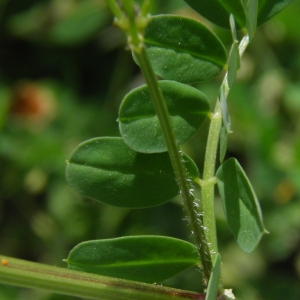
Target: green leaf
139,124
251,12
240,204
233,63
106,169
148,259
224,110
183,50
83,22
214,280
223,142
218,11
269,8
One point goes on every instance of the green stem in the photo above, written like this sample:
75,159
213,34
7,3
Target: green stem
177,162
135,39
89,286
209,181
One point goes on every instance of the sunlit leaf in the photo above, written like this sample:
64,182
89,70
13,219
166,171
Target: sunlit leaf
218,11
214,280
106,169
241,207
183,50
150,259
140,127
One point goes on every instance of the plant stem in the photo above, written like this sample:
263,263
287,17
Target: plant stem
209,181
89,286
177,162
136,44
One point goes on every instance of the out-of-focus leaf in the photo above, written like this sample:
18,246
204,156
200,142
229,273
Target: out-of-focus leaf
78,26
106,169
4,104
241,207
141,258
251,12
218,11
214,280
140,127
183,50
59,24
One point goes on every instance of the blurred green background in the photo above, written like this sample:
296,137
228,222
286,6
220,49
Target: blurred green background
63,72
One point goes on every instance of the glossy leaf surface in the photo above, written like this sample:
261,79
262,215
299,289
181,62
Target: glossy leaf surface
241,207
214,280
139,124
106,169
183,50
218,11
141,258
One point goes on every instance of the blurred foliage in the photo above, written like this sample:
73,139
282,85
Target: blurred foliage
63,73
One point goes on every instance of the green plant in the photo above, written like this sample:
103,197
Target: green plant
134,171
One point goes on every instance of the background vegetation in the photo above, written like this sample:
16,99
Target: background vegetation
63,73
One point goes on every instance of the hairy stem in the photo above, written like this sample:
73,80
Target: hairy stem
135,40
89,286
177,163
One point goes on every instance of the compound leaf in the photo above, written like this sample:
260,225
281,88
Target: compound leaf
241,207
140,127
148,259
183,50
106,169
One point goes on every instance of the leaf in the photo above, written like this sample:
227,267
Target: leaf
50,22
224,110
106,169
223,142
241,207
148,259
269,8
214,280
139,124
233,63
183,50
80,24
218,11
251,12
